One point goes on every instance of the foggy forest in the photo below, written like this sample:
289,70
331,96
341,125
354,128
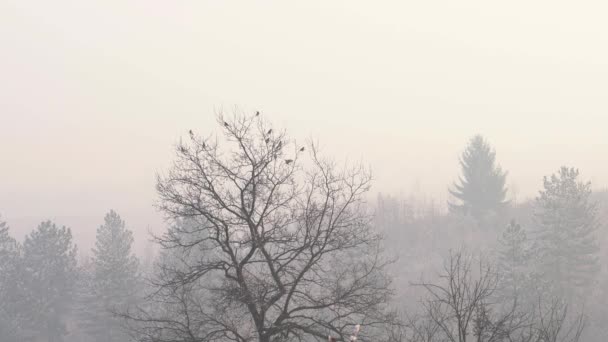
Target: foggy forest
173,173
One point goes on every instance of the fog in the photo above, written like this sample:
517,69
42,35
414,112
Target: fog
95,96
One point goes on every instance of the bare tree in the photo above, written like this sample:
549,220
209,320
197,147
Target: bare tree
456,306
419,329
554,324
280,246
463,306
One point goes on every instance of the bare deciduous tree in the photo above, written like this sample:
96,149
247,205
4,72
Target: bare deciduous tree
554,324
280,247
458,306
463,307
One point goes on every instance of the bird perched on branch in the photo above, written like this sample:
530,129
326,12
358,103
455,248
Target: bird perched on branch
288,161
191,133
257,113
269,131
331,339
302,149
226,124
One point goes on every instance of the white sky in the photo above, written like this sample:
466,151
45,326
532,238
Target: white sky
93,94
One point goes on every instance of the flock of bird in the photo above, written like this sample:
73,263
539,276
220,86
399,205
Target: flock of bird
257,113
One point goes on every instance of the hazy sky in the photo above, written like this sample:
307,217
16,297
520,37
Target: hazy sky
93,94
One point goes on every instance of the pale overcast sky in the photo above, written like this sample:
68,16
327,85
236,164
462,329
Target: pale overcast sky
93,94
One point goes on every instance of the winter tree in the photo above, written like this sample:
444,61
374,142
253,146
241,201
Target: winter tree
187,231
49,275
480,189
515,254
10,317
287,251
8,253
566,220
112,281
461,306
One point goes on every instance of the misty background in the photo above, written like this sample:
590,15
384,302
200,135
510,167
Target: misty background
469,115
94,95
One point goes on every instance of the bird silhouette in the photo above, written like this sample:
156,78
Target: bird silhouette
226,124
257,113
288,161
191,133
302,149
331,339
269,131
204,145
267,140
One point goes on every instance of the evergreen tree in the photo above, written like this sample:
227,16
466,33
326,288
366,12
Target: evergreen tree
112,280
49,276
481,188
8,250
514,256
8,253
9,285
566,220
173,259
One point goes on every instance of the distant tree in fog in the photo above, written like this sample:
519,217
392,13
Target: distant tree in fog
8,251
9,286
187,231
462,306
567,221
481,187
49,277
111,282
515,264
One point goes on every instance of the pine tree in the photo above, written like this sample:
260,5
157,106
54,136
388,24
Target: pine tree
112,280
567,220
49,276
9,285
515,252
8,252
481,188
8,249
184,231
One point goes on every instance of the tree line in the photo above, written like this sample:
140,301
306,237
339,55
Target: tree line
541,256
270,240
564,249
46,294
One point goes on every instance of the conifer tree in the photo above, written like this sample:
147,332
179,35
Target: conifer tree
112,280
49,276
567,221
481,187
9,285
515,253
185,231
